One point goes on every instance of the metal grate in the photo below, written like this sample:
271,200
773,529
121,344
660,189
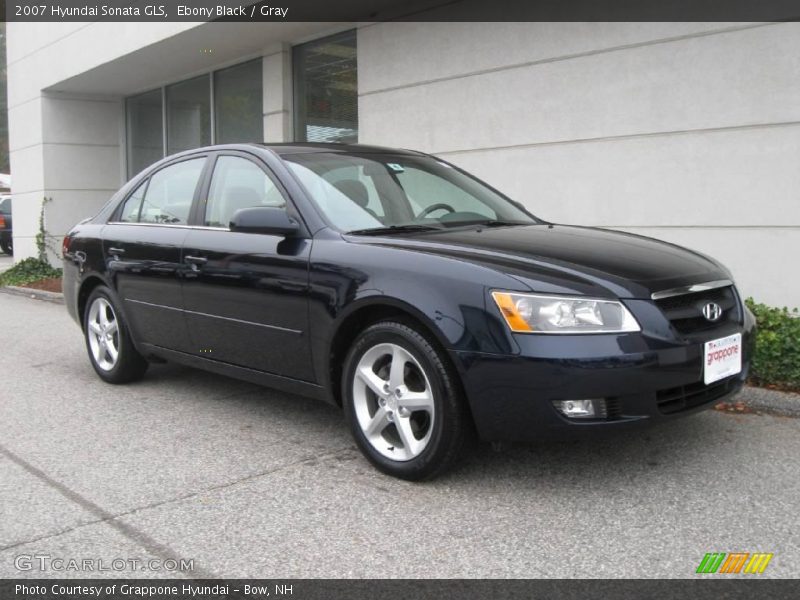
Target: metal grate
690,396
685,312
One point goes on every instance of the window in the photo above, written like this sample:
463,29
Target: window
238,183
130,210
144,128
169,196
368,191
326,89
189,114
238,104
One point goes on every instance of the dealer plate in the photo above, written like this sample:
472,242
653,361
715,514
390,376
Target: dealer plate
722,358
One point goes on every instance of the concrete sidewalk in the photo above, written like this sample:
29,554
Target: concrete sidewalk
248,482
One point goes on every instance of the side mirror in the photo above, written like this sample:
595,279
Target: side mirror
264,219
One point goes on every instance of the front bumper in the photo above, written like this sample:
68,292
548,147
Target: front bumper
644,379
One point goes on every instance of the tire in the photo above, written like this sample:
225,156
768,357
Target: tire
108,340
423,401
6,247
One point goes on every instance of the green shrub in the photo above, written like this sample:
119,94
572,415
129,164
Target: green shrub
27,271
777,357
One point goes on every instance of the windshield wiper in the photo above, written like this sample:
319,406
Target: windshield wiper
497,223
395,229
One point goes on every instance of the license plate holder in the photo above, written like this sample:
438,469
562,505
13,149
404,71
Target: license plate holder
722,358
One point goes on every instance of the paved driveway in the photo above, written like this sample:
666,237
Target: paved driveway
250,482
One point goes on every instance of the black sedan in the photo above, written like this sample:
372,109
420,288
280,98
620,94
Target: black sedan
428,305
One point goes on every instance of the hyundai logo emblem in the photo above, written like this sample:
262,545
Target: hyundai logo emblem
712,311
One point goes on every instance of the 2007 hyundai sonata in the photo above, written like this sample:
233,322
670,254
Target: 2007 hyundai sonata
424,302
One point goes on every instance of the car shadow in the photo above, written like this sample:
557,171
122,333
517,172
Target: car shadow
619,459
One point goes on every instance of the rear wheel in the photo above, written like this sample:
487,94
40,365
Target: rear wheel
7,247
108,341
403,402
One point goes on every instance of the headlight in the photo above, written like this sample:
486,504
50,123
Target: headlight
529,313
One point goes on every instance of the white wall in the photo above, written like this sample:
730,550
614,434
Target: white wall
688,132
685,131
65,145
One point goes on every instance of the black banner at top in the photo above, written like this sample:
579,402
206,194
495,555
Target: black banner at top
401,10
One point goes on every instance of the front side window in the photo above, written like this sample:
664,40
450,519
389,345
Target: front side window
376,191
238,183
169,195
326,89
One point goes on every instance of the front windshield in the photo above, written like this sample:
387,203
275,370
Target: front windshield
359,193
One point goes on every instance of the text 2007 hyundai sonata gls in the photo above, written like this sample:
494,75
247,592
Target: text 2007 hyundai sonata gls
426,303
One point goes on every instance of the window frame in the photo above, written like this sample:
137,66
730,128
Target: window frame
198,212
114,219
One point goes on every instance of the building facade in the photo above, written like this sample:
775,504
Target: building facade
688,132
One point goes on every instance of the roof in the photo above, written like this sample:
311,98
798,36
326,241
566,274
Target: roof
314,147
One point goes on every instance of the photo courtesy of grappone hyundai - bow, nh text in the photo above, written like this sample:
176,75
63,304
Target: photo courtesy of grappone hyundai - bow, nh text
432,308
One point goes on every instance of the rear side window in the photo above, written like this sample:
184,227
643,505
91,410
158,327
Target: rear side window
168,197
130,210
238,183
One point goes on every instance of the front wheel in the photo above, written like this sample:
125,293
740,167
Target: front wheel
108,341
403,402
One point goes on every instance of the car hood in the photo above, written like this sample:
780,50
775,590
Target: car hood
548,257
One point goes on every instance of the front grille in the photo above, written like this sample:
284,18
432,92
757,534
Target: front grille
690,396
685,312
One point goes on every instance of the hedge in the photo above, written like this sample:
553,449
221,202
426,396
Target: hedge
776,362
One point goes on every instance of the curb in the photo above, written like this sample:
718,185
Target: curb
784,404
14,290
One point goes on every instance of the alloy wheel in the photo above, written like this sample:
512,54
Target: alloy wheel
103,334
393,401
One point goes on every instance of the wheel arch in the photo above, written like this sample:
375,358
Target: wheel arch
366,313
84,291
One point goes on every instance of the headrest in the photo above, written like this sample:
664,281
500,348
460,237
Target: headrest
355,190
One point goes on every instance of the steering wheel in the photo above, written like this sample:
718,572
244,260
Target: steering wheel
440,206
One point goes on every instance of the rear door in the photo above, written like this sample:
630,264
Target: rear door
246,295
142,246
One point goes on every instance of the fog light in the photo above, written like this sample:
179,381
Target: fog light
580,409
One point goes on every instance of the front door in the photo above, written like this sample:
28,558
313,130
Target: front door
246,294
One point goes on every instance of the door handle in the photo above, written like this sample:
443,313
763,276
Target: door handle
114,251
195,260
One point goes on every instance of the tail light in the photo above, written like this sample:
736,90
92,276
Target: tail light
2,222
65,245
